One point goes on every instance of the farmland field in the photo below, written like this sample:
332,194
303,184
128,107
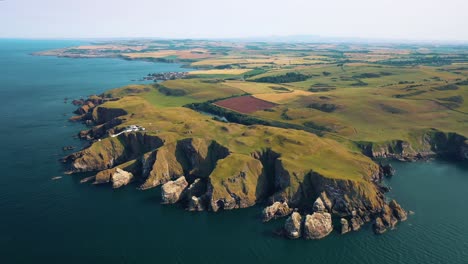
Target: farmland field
245,104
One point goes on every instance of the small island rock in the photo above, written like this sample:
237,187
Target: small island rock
292,226
195,204
171,192
317,225
276,210
120,178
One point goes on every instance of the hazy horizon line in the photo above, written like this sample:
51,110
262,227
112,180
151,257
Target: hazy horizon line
302,38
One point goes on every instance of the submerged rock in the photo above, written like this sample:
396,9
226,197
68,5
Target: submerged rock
317,225
292,226
276,210
120,178
345,228
171,192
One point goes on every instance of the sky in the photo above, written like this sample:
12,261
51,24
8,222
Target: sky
437,20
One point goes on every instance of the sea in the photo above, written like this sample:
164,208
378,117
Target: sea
63,221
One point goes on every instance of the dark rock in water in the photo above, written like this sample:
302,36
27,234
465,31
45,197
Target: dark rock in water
345,228
356,222
78,102
378,226
292,226
88,179
276,210
68,148
317,225
196,204
388,218
384,189
387,170
398,212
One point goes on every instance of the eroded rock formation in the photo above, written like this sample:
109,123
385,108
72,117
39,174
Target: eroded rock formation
317,225
172,191
276,210
293,226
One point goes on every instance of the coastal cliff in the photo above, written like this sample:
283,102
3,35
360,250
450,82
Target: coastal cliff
237,167
425,144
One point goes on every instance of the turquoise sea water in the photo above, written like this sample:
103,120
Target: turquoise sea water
63,221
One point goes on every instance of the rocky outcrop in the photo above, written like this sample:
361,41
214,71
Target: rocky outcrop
345,228
172,191
426,144
121,178
398,212
196,204
238,181
319,206
161,166
112,151
356,222
378,226
86,109
389,217
292,226
197,188
193,157
276,210
317,225
357,201
387,170
117,176
101,115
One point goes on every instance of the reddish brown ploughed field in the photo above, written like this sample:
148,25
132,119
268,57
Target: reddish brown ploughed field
245,104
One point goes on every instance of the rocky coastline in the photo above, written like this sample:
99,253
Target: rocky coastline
186,170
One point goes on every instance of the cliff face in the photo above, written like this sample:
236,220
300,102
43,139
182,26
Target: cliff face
112,151
238,181
260,164
430,143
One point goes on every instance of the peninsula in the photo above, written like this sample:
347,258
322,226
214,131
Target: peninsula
298,128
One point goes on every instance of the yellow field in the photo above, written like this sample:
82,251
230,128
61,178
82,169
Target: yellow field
281,60
223,71
254,87
282,98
